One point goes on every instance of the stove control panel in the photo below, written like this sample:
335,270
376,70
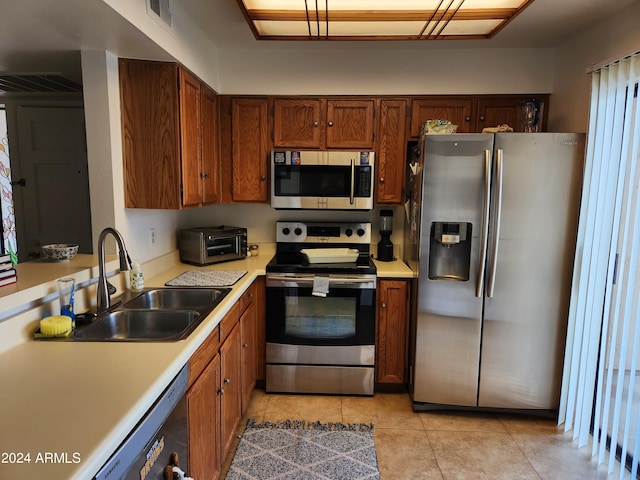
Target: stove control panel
323,232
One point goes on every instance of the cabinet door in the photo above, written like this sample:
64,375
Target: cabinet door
203,406
350,123
150,134
391,152
231,389
249,150
392,331
248,353
458,110
296,123
210,163
190,145
261,329
510,110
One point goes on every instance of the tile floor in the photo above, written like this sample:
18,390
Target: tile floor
441,445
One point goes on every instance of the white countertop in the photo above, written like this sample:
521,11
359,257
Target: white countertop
70,404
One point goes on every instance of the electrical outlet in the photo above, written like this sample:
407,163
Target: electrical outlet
152,237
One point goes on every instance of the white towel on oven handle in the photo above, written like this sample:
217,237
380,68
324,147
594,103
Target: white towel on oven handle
320,286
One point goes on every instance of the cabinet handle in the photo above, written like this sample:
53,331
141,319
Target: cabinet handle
227,380
315,123
263,177
381,179
331,124
384,305
245,345
467,118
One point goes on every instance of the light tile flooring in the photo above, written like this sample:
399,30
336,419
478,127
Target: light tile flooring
441,445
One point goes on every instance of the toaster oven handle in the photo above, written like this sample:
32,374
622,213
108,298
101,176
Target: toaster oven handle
352,197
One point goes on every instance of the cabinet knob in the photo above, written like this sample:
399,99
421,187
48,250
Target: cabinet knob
250,295
381,179
384,305
227,380
315,123
245,345
331,124
467,118
221,391
204,175
482,118
263,177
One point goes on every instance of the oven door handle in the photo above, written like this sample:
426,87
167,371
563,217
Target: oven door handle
352,196
289,280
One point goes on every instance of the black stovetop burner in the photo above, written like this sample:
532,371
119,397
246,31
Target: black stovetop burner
291,260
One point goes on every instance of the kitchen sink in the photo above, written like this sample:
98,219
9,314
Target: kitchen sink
180,298
154,315
139,325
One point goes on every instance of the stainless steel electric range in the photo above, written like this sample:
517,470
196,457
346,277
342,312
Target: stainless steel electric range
321,294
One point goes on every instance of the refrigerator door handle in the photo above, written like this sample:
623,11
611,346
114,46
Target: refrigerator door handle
496,229
485,222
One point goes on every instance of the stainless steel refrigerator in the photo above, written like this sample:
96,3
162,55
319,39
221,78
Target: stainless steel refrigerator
491,231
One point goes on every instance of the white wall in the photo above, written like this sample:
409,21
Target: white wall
603,42
184,41
374,69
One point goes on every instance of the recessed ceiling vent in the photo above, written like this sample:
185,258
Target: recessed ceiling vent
37,83
160,10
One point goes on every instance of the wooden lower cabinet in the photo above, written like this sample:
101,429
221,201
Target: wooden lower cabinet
392,331
203,406
231,389
248,353
222,376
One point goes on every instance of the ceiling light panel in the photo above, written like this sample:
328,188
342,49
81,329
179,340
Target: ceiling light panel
378,19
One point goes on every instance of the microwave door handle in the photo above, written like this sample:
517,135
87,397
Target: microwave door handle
353,181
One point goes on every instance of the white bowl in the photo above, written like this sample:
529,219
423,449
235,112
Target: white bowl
60,252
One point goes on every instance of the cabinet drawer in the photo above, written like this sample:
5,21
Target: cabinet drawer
247,298
229,321
203,355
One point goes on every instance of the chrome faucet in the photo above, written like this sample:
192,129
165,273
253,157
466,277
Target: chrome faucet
105,289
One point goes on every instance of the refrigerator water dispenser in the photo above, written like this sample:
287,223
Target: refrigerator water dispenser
450,251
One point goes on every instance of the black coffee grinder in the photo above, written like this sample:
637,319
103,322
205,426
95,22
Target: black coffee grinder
385,246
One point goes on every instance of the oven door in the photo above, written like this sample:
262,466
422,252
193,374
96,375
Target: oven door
345,316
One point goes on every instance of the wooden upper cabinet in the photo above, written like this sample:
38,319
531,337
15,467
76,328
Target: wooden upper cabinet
150,134
458,110
350,123
210,168
296,123
391,152
166,144
511,110
249,150
321,123
190,136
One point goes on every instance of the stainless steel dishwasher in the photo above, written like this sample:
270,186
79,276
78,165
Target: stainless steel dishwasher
156,440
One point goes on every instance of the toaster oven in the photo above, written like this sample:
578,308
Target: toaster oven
207,245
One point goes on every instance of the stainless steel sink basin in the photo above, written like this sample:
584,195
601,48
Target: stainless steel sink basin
158,314
140,325
180,298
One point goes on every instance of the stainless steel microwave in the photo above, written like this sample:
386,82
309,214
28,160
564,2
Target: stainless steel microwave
315,180
207,245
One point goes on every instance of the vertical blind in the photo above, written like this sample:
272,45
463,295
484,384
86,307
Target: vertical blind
600,396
